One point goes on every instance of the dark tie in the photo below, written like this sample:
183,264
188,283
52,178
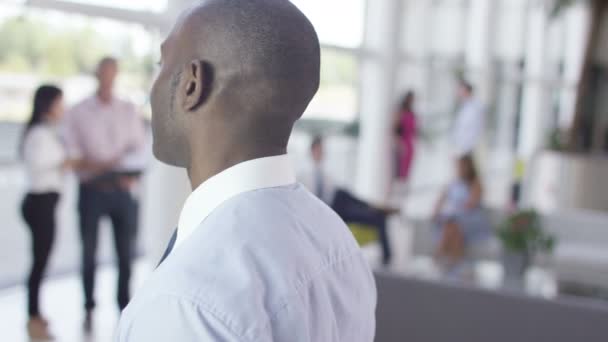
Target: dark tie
169,247
319,184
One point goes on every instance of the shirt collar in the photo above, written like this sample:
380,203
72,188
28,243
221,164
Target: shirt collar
247,176
100,104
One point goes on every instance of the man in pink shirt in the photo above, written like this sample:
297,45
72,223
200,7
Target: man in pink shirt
102,132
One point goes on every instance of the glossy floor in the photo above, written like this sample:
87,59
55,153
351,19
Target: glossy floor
61,302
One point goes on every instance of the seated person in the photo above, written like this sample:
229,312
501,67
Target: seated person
346,205
459,216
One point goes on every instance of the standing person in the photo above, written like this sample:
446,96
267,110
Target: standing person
406,131
104,130
256,257
45,162
347,206
470,122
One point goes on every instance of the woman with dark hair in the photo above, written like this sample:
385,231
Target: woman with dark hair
45,162
459,215
406,131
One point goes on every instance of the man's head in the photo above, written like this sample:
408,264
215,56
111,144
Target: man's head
106,72
235,74
316,150
465,89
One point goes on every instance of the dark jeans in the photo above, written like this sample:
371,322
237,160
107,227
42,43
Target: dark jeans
39,213
353,210
121,208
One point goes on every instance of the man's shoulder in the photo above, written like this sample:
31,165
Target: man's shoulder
265,241
474,106
91,102
124,104
275,220
39,131
282,212
258,255
82,105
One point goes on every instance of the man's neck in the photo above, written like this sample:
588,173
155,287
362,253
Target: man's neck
104,97
208,163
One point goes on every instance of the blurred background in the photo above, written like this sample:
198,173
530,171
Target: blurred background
539,70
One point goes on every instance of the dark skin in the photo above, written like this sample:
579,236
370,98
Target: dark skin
212,108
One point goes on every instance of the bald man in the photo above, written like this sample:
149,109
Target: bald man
255,257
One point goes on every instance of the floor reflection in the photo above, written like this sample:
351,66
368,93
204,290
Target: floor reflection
61,302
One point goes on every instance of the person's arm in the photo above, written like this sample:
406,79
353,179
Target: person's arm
137,131
36,152
169,318
93,167
133,151
474,200
70,131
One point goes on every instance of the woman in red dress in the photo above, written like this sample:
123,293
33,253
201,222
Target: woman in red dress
406,131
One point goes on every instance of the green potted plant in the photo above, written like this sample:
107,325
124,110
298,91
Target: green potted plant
557,140
522,238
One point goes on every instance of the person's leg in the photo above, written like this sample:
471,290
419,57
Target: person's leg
39,213
124,222
90,207
408,156
354,210
452,244
347,203
384,240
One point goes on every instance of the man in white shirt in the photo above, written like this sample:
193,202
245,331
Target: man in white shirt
350,208
470,121
256,257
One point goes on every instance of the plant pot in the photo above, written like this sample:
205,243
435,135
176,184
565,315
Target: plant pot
515,266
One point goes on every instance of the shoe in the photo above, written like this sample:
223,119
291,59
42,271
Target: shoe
88,322
43,320
37,329
386,262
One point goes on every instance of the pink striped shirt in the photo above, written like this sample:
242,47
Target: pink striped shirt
103,132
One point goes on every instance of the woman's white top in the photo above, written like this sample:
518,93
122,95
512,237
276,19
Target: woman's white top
44,154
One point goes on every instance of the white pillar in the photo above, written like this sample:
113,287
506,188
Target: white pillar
378,76
166,187
481,30
165,190
510,47
535,102
577,21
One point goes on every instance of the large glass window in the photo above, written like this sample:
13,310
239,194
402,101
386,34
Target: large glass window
338,22
147,5
337,96
38,46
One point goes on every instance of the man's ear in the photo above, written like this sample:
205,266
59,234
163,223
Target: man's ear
194,85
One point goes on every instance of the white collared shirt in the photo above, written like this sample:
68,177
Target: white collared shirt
259,258
311,177
468,128
43,156
251,175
